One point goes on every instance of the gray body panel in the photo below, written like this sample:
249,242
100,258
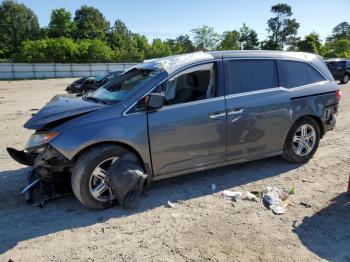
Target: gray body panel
184,136
257,122
182,139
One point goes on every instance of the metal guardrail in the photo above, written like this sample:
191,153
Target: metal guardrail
52,70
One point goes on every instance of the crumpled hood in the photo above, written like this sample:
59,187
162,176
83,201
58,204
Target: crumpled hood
59,108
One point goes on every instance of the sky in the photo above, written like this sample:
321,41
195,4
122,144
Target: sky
169,19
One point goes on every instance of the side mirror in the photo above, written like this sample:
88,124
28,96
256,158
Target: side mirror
153,101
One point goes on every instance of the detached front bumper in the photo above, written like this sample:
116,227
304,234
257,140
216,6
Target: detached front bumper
47,163
21,157
50,176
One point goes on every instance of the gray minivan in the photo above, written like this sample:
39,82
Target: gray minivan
182,114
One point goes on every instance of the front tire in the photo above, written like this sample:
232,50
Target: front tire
89,175
345,79
302,141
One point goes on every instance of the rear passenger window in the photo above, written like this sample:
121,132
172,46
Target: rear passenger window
294,73
252,75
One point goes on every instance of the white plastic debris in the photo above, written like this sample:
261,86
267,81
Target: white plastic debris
213,187
272,196
273,199
278,210
170,204
233,194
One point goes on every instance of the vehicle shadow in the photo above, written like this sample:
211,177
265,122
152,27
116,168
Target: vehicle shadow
22,222
327,233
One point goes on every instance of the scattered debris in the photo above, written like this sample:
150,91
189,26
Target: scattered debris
278,210
272,196
170,204
307,181
258,194
236,196
252,197
293,190
305,204
213,187
273,200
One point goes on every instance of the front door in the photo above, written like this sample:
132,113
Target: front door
190,131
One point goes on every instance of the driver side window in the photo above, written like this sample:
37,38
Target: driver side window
193,84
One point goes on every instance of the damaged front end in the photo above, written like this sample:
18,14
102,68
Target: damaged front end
49,176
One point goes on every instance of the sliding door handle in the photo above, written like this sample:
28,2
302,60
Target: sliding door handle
216,115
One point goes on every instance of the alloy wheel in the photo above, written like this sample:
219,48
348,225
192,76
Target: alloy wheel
98,185
304,140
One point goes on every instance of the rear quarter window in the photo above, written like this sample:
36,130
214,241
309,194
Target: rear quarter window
295,73
251,75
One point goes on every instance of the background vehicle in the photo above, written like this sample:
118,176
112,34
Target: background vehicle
183,114
87,85
340,69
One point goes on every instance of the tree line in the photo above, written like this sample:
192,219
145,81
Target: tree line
89,37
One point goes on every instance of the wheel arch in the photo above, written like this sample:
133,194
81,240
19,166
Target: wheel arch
314,117
125,145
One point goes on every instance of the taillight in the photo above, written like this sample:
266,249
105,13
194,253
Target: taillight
338,95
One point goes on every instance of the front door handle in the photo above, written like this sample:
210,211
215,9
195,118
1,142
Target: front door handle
235,111
216,115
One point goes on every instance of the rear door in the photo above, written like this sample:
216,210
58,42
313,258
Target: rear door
190,132
258,110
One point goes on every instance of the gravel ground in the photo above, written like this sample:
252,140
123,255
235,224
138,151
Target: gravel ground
203,225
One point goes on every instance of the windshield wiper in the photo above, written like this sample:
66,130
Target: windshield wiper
94,99
98,100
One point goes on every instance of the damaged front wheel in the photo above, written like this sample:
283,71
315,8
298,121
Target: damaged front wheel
90,181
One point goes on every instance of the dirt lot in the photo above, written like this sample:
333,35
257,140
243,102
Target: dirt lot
203,225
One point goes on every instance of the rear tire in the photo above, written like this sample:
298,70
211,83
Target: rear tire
85,181
302,141
345,79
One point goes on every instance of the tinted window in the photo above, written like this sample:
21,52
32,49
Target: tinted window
251,75
293,74
336,64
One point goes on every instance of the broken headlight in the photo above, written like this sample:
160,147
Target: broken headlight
40,139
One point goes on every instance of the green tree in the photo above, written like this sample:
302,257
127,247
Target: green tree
90,23
205,38
311,43
230,41
93,51
62,50
337,48
120,36
158,49
140,42
248,38
341,31
17,23
280,27
181,45
60,23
